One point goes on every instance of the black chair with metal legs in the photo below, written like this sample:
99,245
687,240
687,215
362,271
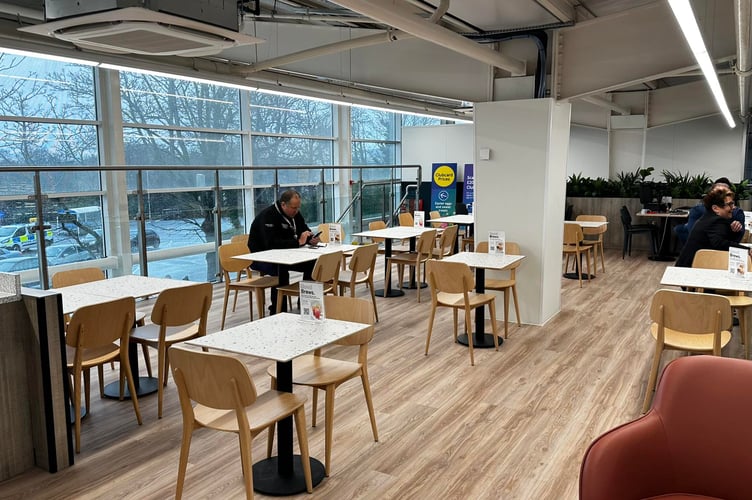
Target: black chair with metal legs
630,229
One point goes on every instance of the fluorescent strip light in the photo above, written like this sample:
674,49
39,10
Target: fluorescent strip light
303,96
50,57
688,24
427,114
176,76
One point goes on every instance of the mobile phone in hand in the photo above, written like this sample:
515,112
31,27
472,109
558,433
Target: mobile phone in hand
308,241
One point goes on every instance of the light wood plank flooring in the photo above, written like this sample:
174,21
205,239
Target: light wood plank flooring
514,426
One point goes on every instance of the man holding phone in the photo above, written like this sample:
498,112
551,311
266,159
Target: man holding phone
281,225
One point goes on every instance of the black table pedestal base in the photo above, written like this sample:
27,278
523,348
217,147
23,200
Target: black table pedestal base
144,387
393,292
268,480
575,276
487,341
413,286
662,258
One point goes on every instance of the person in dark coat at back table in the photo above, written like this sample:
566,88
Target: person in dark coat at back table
281,225
737,215
713,230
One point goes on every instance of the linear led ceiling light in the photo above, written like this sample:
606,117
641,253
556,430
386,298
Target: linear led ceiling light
688,24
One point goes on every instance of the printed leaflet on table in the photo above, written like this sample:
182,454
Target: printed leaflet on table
738,262
312,301
496,242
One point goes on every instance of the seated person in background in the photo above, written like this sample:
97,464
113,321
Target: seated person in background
737,225
713,230
281,226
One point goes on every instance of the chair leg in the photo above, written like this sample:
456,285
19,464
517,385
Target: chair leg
328,428
469,331
245,438
653,378
506,312
579,268
742,313
430,327
77,409
147,359
455,313
125,365
314,405
516,305
161,366
224,310
260,302
373,299
303,444
280,297
185,446
369,401
87,388
494,327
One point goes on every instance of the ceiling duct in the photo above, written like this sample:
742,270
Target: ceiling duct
115,26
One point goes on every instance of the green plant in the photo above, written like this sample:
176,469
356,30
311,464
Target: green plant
742,190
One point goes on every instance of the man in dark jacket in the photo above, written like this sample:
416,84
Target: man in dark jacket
713,230
737,224
281,226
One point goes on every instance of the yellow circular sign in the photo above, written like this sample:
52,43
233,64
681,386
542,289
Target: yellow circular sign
443,176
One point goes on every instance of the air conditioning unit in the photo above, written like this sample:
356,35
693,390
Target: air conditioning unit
137,30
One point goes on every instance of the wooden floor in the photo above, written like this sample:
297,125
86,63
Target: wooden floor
514,426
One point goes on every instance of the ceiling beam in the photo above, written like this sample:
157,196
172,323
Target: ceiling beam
605,103
560,9
400,16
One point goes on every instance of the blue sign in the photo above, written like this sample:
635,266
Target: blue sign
468,187
443,187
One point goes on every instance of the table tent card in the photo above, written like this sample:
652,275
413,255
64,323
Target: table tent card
738,262
335,234
496,243
312,301
419,219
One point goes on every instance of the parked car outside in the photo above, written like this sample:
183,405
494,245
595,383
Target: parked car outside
20,237
151,236
7,254
64,254
16,264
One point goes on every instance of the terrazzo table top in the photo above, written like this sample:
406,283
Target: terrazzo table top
484,260
719,279
10,288
456,219
94,292
281,337
395,233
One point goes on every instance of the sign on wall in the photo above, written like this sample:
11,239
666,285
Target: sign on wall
468,187
443,187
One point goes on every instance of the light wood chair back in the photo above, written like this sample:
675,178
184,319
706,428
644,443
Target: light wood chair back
686,321
362,267
98,334
423,252
594,236
406,219
446,242
573,246
451,286
326,270
227,401
251,284
179,314
375,225
77,276
435,214
320,372
240,238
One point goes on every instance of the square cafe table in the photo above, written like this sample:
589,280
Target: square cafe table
481,262
460,220
389,234
96,292
281,338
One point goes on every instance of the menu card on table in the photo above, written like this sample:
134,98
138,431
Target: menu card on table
335,234
738,262
419,219
312,301
496,242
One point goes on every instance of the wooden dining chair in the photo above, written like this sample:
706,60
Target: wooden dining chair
573,246
406,219
326,271
179,314
86,275
452,286
446,243
423,252
435,214
226,401
98,334
741,303
320,372
594,236
686,321
361,270
252,284
240,238
505,285
324,237
380,224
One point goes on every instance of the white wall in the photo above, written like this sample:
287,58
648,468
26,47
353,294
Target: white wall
438,144
588,152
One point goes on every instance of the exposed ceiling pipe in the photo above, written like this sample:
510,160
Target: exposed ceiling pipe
399,16
605,103
332,48
447,20
742,16
311,18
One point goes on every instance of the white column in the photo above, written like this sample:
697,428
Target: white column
521,190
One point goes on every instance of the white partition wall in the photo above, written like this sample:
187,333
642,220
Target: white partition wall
521,190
